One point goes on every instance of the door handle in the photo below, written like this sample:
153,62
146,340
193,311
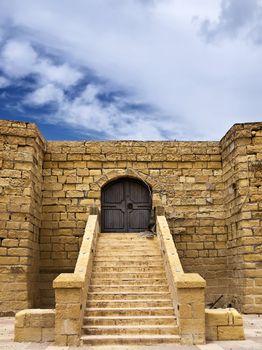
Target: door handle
130,206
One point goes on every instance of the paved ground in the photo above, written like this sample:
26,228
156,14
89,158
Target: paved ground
253,332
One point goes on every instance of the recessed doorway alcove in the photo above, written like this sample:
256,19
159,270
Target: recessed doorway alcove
126,205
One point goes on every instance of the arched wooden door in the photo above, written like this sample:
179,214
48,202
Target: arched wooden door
126,206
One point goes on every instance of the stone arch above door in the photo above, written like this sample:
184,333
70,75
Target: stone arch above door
115,174
95,188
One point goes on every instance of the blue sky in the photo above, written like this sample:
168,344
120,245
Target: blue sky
133,69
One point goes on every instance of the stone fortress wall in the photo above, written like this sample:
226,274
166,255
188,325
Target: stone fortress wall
211,193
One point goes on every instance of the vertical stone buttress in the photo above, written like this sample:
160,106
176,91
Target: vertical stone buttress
242,176
21,158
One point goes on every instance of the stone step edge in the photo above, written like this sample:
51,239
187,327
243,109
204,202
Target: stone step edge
115,263
101,259
133,266
128,273
128,308
127,300
173,317
142,326
130,255
131,293
128,285
124,279
130,336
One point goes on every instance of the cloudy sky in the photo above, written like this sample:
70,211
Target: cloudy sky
133,69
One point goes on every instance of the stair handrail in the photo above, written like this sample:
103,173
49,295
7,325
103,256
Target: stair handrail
71,289
187,289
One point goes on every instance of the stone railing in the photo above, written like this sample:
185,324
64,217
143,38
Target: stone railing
71,289
187,289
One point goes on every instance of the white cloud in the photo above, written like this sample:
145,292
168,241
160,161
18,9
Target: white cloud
4,82
44,95
87,112
62,75
153,50
18,59
236,18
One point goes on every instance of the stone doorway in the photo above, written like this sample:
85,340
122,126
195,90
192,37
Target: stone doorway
126,206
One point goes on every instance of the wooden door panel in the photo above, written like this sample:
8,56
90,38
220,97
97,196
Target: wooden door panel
114,220
126,206
138,194
114,194
138,220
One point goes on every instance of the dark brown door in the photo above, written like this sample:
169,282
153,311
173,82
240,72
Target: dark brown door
126,206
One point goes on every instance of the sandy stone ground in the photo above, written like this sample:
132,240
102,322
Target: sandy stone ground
253,333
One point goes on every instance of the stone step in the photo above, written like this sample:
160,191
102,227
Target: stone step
104,303
97,268
128,295
123,254
128,274
124,236
130,320
129,339
129,311
129,288
129,281
130,263
131,260
127,249
130,329
127,245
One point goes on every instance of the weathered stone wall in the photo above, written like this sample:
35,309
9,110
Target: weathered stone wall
186,178
211,192
242,176
21,157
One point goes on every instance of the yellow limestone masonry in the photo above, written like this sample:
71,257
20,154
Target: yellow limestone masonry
211,193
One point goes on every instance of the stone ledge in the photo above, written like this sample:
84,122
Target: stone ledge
224,324
68,280
35,325
190,280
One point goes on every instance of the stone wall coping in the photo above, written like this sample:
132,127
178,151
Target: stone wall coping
168,244
35,312
24,129
241,128
190,280
69,280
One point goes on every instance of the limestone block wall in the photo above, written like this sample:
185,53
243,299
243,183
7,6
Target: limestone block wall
186,178
21,158
211,192
242,176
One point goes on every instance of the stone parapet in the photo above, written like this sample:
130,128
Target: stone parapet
71,289
188,290
224,324
35,325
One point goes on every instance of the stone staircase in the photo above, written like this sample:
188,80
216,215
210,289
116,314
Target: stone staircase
128,300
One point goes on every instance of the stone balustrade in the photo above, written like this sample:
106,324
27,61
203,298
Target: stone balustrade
71,289
188,289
